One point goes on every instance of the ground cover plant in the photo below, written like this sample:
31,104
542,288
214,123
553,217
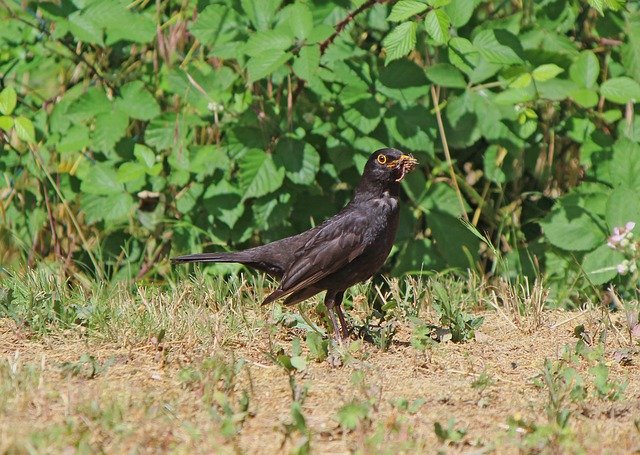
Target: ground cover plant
507,317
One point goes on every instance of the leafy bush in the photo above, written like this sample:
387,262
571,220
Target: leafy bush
134,128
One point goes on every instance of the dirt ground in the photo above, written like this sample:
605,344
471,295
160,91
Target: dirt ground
140,404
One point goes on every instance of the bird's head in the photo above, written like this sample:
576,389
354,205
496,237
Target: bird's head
388,166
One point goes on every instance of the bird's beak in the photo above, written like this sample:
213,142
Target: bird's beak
406,163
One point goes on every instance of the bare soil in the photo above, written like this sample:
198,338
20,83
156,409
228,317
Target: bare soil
140,403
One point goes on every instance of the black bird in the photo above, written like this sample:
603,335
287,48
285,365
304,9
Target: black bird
344,250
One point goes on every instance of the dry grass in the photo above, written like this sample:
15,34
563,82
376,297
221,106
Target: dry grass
188,372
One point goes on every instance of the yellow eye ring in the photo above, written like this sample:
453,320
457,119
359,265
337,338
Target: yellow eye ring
382,159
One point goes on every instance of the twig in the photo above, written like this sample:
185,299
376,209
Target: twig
52,221
447,154
558,324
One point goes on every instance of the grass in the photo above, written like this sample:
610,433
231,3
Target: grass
198,366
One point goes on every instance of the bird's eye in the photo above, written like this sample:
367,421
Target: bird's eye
382,159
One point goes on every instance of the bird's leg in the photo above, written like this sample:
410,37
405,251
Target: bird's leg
343,323
332,302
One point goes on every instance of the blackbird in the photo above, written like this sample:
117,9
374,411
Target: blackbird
344,250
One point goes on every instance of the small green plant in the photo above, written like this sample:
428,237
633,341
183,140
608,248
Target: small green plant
421,335
449,434
483,381
318,346
293,362
297,431
412,407
452,315
604,386
87,367
353,413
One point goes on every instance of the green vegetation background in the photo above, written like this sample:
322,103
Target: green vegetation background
132,130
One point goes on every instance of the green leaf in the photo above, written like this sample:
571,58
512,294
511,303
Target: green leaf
137,102
75,139
625,164
352,413
89,104
441,196
600,265
298,362
8,100
572,228
84,28
499,46
584,97
214,25
129,172
165,131
268,40
400,41
463,54
144,155
259,174
6,122
123,25
546,72
460,11
404,9
110,208
110,128
300,160
307,62
261,12
413,127
101,179
621,90
585,69
598,5
455,243
437,25
522,81
364,115
402,80
266,63
623,206
446,75
24,129
299,18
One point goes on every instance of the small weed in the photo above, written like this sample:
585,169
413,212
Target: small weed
452,315
482,382
295,361
318,347
421,335
87,367
449,434
351,414
297,431
605,387
412,407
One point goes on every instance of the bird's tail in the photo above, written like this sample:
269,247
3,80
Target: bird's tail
211,257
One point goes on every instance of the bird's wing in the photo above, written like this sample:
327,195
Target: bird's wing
334,245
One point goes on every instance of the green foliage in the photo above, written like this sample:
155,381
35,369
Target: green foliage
461,326
133,129
449,433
